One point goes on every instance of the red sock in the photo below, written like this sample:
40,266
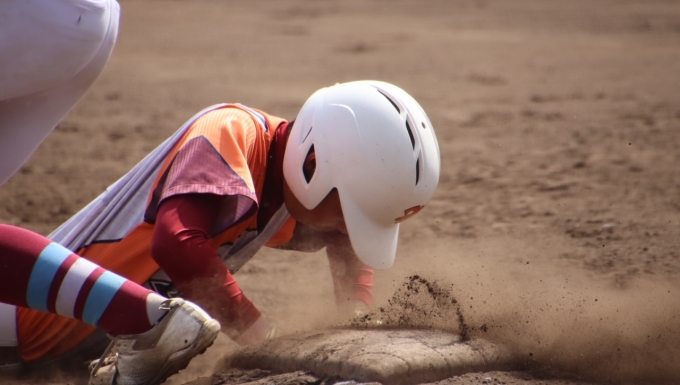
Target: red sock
40,274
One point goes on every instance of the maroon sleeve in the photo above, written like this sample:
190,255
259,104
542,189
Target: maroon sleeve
180,247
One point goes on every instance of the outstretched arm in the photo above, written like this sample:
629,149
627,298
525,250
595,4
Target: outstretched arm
352,279
180,247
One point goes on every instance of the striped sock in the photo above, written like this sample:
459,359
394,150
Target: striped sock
42,275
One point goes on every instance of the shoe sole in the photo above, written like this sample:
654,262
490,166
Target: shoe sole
181,359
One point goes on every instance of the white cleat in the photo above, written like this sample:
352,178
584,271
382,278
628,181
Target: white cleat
151,357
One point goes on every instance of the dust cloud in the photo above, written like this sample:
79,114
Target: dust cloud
555,319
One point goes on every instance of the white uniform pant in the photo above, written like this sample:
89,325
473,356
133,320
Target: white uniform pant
8,325
51,51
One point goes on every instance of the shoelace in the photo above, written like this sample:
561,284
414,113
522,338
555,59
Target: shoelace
166,305
104,357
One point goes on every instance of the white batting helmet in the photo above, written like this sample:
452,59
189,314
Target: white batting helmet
375,145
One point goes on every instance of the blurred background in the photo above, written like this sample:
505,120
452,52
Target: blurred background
556,219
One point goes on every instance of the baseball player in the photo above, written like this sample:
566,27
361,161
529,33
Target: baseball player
52,51
360,158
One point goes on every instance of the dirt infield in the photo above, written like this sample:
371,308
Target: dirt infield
555,225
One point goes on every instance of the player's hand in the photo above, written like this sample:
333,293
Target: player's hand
362,316
260,331
366,320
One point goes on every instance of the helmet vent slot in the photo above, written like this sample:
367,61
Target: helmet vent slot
417,170
307,134
390,100
410,135
309,166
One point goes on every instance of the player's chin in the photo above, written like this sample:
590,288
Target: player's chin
321,228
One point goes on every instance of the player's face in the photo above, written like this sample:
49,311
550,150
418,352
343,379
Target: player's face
325,217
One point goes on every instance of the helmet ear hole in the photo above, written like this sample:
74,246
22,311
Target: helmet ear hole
309,165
